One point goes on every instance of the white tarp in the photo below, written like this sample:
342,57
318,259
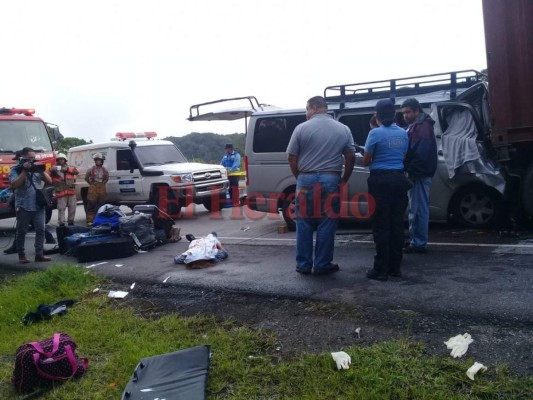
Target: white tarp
462,153
205,248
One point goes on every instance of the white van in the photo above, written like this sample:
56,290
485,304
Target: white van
144,170
471,198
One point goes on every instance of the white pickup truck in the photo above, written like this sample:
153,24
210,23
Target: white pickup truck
144,170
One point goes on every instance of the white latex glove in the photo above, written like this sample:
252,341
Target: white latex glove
342,359
459,344
474,370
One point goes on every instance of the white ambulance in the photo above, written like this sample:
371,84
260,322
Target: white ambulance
145,170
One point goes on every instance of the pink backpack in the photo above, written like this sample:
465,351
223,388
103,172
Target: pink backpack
49,360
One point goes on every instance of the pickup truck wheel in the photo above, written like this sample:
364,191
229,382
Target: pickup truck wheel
527,191
476,207
287,210
171,208
208,203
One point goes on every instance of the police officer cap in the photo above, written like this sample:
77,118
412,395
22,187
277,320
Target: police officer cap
228,146
385,107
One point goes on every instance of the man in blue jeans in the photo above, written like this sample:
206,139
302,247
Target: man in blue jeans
317,151
25,180
420,164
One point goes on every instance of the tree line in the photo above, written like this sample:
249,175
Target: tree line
198,147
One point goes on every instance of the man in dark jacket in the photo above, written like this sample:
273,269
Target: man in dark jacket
420,164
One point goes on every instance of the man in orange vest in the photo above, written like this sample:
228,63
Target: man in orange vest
97,177
63,178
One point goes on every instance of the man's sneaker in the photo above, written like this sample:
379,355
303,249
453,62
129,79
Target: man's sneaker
11,250
304,271
328,269
23,259
373,274
415,250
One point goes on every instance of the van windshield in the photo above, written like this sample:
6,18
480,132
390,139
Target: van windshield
157,155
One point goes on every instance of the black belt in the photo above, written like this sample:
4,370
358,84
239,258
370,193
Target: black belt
320,172
387,171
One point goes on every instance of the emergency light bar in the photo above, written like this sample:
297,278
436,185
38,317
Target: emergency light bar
133,135
12,111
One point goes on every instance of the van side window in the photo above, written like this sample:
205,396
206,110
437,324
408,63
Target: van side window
272,134
360,127
125,160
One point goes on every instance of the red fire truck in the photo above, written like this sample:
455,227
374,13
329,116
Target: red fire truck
19,128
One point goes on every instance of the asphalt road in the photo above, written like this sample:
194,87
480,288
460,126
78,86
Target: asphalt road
465,273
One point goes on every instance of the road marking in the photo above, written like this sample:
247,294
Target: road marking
263,239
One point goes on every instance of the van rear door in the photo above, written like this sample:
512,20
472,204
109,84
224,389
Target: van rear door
209,111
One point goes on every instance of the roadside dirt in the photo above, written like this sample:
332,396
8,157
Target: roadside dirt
310,326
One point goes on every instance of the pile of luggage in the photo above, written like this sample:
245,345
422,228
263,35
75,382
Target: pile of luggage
117,235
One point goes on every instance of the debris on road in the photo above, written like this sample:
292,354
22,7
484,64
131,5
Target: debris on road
474,369
95,265
132,286
96,290
117,294
166,279
342,359
459,344
358,331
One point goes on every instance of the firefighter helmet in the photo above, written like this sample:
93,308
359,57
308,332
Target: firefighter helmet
61,155
98,156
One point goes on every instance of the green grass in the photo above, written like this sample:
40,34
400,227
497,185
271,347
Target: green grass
245,363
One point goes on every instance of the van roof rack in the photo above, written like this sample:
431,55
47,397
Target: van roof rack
404,87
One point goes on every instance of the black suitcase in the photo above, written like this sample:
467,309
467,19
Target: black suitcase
181,375
149,209
64,231
117,247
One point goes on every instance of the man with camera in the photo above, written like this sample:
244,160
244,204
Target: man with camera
25,179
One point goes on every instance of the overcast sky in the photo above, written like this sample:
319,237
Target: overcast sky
98,67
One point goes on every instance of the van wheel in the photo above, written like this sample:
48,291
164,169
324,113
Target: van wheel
172,209
287,210
476,207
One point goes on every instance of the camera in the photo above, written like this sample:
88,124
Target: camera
34,167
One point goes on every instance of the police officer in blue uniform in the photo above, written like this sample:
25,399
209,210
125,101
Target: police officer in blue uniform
232,162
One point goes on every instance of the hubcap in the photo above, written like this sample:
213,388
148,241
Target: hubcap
477,209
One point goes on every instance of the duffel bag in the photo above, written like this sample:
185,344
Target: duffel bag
47,361
105,248
63,232
140,227
73,242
